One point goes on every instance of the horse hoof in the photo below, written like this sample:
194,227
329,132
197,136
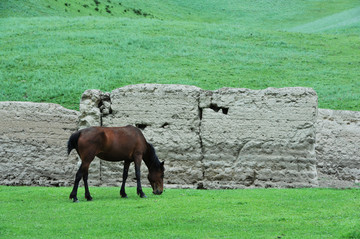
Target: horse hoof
144,196
89,199
124,196
75,200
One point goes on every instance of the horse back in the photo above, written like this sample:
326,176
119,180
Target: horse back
112,143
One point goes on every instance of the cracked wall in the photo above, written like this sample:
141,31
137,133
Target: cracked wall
229,138
259,138
33,143
338,144
169,118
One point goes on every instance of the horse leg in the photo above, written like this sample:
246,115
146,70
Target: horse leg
85,178
79,175
82,173
125,175
137,162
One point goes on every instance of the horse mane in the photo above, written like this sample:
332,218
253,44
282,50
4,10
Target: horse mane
154,160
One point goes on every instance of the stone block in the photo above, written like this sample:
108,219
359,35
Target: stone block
259,138
338,144
168,116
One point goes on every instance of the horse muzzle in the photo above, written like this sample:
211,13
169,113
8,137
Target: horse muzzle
157,192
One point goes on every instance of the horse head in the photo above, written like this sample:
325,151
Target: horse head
156,178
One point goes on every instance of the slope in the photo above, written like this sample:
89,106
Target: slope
53,50
333,23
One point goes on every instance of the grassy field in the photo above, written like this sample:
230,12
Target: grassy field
53,50
37,212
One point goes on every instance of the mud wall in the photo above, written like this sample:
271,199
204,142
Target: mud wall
33,140
229,138
260,138
338,144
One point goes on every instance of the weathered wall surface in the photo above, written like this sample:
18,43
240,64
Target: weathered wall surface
33,144
261,138
93,105
338,144
228,138
169,118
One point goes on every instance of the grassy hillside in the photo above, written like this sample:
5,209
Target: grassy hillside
53,50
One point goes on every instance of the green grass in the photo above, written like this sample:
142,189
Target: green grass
53,50
37,212
339,21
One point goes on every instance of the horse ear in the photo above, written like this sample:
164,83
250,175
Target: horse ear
162,165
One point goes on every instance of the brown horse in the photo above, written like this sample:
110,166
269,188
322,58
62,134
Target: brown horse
126,144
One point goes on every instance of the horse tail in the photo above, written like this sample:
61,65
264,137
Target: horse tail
73,141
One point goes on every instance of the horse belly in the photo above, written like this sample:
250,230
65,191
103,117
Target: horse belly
113,157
